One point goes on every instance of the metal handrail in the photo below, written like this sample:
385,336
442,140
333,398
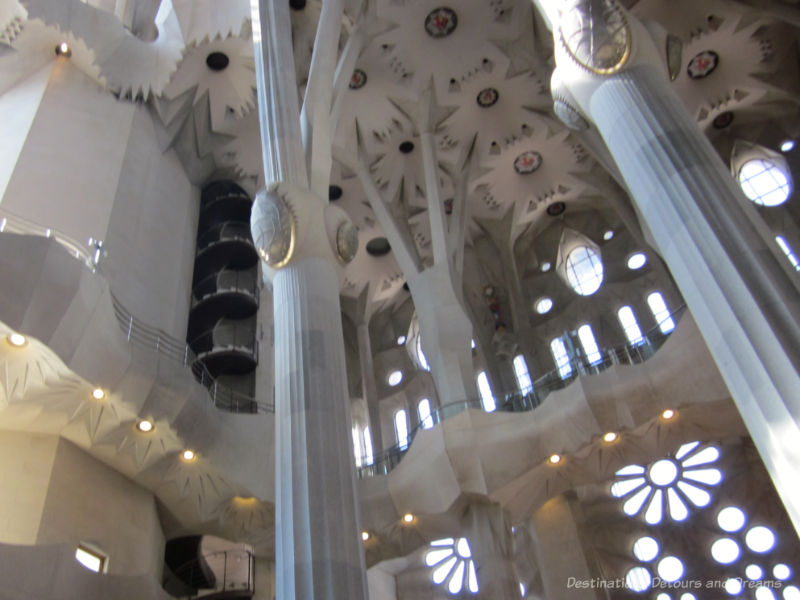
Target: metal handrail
88,254
516,401
227,280
226,231
222,397
185,573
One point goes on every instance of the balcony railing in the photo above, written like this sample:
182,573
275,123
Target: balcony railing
215,575
622,354
223,397
242,282
227,231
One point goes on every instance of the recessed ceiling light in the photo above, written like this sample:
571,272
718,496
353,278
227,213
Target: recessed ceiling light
365,535
145,426
16,339
668,414
787,145
554,459
408,518
608,234
98,393
610,437
188,455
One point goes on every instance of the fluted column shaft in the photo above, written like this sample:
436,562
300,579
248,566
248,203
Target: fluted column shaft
741,292
317,540
368,386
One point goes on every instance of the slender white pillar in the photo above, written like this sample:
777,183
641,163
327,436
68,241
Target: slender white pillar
741,294
492,547
368,386
318,544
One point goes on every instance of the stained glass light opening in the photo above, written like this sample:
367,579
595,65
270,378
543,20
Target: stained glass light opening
760,539
669,486
638,579
781,572
754,572
452,564
733,586
731,519
584,270
636,261
725,551
764,182
645,548
543,305
670,568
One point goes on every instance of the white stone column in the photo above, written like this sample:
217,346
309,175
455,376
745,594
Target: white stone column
368,386
318,544
742,295
489,535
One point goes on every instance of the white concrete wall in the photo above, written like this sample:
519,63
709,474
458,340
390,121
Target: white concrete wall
68,168
87,501
26,462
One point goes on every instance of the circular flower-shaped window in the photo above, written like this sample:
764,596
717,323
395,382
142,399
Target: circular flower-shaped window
527,162
357,80
452,564
487,97
703,64
441,22
764,182
670,484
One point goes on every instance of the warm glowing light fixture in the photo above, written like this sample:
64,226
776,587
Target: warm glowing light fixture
145,426
365,535
408,518
63,49
668,414
16,339
554,459
610,437
188,455
98,393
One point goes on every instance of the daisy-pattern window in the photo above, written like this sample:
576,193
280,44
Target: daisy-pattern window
451,562
669,486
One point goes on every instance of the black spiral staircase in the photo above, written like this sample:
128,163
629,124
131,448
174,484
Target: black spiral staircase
225,287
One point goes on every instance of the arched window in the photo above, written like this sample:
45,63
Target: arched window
421,355
589,344
522,374
787,250
660,311
401,427
584,270
485,390
561,356
424,412
764,182
368,450
629,324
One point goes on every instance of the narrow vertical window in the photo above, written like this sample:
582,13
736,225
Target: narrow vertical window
401,427
368,452
424,412
357,450
629,324
660,312
561,357
589,344
787,250
423,361
485,390
522,374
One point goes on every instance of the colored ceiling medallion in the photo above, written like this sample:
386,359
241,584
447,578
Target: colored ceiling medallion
703,64
441,22
556,208
527,162
357,80
722,120
487,97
